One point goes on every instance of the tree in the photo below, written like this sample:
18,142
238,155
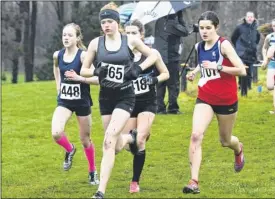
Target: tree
29,73
11,32
25,9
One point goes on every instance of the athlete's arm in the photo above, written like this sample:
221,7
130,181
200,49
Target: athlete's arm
228,50
87,69
137,44
90,80
268,57
161,67
191,75
73,76
56,71
265,46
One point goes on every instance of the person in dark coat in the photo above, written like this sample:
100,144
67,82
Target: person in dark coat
168,32
245,39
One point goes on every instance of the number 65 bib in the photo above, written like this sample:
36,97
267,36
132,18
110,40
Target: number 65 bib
140,86
70,91
115,73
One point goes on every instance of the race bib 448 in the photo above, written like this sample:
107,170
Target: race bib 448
70,91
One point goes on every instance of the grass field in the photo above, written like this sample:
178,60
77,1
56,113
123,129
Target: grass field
32,162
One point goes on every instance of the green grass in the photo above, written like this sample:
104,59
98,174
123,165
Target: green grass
32,162
21,78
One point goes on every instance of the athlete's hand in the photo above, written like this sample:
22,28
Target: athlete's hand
134,72
101,71
73,76
209,64
191,76
264,65
151,80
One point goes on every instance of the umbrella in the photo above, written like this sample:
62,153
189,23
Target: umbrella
147,11
125,12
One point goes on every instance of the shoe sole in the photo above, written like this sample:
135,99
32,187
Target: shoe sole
67,169
133,192
187,190
137,191
93,183
239,170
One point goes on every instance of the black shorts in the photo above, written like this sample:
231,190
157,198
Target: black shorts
149,105
79,110
110,99
221,109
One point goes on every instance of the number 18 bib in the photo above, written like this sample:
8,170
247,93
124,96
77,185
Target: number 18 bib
70,91
140,86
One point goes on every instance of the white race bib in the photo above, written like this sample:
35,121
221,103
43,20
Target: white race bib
140,86
115,73
70,91
208,74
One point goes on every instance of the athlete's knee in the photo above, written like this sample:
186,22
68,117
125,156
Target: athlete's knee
141,140
196,136
109,142
57,133
85,141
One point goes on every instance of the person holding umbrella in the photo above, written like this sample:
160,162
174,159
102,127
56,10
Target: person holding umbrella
168,32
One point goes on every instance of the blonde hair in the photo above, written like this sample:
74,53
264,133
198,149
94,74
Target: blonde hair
113,6
77,28
266,28
110,6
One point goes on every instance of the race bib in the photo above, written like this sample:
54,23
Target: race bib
70,91
115,73
208,74
140,86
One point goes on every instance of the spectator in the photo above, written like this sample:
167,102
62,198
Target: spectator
168,31
245,38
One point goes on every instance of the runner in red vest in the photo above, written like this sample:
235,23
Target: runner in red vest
218,64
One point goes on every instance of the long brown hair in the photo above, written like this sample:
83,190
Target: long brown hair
138,24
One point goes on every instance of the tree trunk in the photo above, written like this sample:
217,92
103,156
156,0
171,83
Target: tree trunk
253,5
76,5
14,79
15,58
30,67
26,41
60,11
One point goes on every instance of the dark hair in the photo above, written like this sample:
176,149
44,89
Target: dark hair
136,23
210,15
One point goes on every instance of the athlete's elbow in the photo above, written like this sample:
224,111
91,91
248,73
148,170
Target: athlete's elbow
83,72
167,75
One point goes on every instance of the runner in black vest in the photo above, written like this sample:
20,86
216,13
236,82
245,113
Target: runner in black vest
145,109
115,69
73,96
